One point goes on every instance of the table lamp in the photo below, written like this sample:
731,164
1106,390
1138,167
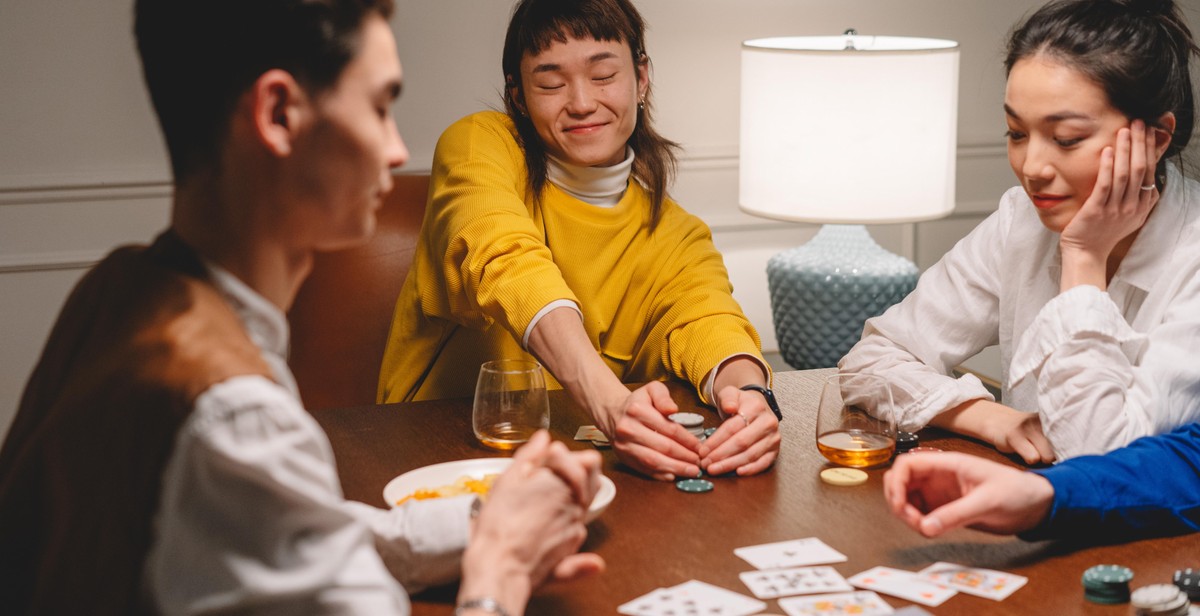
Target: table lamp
844,130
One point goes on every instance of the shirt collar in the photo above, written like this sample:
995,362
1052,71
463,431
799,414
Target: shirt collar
1154,247
264,322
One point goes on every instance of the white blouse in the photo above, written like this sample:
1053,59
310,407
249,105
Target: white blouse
1101,368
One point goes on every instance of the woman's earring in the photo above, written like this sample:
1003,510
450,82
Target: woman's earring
642,103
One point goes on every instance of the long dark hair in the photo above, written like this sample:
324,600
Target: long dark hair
1136,50
534,26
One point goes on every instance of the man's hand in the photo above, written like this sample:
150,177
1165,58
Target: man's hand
532,525
937,492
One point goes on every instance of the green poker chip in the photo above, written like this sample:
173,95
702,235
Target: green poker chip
694,486
1108,584
1106,576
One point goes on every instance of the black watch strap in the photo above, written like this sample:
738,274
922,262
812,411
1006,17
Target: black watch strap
769,395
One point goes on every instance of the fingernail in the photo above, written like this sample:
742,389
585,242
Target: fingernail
932,525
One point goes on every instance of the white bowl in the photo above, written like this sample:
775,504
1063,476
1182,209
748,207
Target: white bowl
446,473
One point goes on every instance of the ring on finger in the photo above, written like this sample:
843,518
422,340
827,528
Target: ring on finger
1149,187
744,419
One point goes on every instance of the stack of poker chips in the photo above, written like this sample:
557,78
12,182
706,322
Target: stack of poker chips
1107,584
1189,582
692,422
1159,600
906,441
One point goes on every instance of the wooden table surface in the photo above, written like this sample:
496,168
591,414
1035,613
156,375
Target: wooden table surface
653,535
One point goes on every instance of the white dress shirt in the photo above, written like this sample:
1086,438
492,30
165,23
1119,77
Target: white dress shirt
252,517
1101,367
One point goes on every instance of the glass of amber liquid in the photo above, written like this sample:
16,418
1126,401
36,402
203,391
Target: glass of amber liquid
510,403
856,425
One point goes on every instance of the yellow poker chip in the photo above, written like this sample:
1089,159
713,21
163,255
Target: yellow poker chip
843,476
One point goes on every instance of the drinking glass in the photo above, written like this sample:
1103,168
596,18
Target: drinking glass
856,424
510,403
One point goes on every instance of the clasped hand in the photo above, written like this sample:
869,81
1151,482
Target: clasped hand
747,441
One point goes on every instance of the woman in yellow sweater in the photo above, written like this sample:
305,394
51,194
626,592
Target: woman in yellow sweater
549,232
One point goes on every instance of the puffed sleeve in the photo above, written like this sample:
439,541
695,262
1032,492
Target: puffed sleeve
1101,383
949,317
485,245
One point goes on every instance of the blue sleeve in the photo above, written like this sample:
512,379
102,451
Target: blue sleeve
1149,489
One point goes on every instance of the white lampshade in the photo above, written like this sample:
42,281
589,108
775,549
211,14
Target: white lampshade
837,135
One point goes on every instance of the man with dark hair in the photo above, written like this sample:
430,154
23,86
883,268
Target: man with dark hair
160,459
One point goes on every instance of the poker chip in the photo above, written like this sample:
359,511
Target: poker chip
1188,581
694,486
1159,600
843,476
906,441
1107,584
709,432
692,422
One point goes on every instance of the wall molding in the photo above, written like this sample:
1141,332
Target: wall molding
49,187
85,191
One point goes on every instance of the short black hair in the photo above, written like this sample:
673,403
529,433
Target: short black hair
199,56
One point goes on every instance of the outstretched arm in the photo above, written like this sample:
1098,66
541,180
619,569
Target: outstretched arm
938,492
636,422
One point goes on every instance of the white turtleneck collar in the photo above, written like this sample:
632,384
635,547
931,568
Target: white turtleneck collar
602,186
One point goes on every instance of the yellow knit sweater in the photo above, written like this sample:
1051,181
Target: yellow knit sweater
654,305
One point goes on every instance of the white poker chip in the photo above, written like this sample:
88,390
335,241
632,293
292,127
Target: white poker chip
843,476
1159,599
687,420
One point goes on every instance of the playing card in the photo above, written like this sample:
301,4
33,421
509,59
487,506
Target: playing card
986,583
785,554
796,581
859,603
903,584
692,598
717,600
654,603
591,433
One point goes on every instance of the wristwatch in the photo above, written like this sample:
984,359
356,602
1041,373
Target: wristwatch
769,395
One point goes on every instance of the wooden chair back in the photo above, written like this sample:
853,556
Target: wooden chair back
343,311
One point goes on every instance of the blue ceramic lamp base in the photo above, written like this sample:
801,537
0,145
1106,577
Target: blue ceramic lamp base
823,292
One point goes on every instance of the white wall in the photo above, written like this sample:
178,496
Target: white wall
82,167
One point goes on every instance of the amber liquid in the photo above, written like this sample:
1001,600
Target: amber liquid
505,436
856,448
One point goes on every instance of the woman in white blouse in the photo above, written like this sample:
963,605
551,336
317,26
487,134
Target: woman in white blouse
1086,276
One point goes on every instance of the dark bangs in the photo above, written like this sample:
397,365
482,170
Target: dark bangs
541,24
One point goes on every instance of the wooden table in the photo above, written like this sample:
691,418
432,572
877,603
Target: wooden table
654,535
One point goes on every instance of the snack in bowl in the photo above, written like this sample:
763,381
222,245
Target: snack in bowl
432,478
465,484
